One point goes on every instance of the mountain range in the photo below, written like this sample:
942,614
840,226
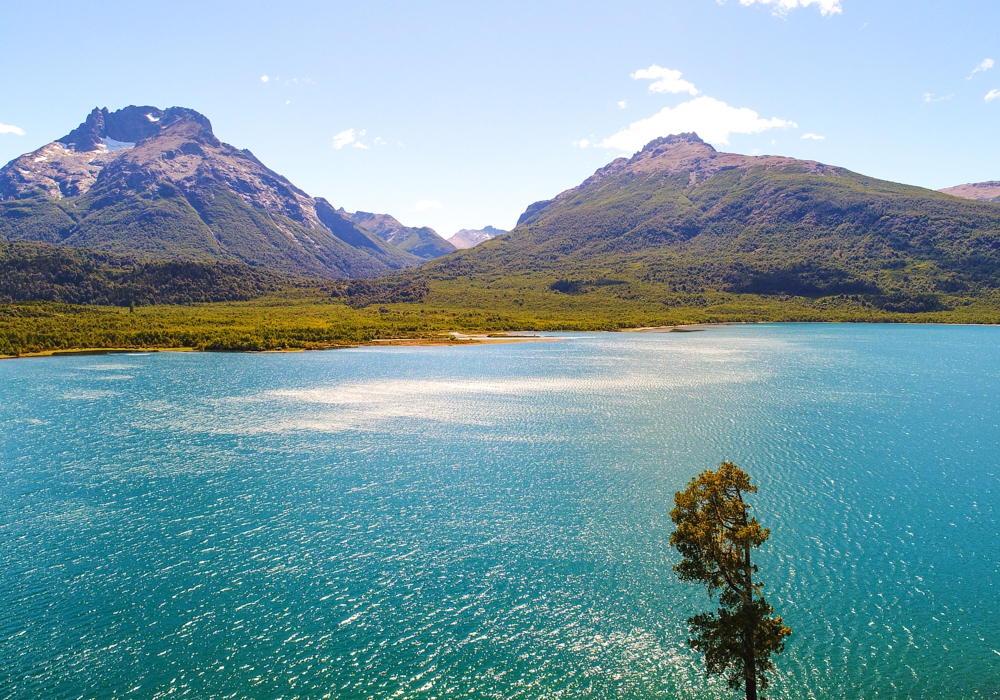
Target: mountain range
421,241
678,217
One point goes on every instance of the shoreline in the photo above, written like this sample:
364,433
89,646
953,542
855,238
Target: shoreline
459,339
453,338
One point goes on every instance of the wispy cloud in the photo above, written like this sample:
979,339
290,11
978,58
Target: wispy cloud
982,67
425,204
992,95
582,143
623,104
264,78
712,119
11,129
814,137
666,80
928,97
826,7
349,137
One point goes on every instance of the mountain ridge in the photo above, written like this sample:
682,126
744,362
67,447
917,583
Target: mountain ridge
681,217
422,241
988,191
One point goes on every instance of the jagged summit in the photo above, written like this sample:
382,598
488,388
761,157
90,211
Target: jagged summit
132,124
157,182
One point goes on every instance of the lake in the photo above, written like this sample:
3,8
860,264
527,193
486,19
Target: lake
492,521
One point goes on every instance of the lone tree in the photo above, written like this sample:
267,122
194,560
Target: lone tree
715,537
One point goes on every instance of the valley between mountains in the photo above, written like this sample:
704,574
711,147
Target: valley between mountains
140,228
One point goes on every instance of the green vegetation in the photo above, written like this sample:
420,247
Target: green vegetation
34,271
715,538
760,230
323,316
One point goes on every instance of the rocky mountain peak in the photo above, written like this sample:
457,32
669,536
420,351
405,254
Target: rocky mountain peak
471,237
158,181
674,142
131,125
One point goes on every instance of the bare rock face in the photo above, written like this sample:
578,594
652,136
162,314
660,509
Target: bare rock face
983,191
469,237
166,173
68,167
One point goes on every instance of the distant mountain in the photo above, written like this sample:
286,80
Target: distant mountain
679,216
983,191
470,237
158,183
423,242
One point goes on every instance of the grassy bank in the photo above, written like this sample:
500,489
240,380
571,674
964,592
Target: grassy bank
308,318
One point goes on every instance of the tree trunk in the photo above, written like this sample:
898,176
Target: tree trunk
749,657
750,677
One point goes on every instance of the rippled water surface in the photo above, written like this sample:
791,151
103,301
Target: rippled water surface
492,522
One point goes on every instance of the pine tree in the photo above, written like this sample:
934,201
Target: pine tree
715,538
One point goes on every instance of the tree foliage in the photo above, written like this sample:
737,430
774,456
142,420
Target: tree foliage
715,536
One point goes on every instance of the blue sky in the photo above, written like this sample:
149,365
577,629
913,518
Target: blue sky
470,111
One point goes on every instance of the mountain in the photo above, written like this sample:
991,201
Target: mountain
423,242
983,191
158,183
470,237
678,216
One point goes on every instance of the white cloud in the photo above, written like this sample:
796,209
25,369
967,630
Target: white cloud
992,95
582,143
814,137
712,119
264,78
343,138
10,129
826,7
358,144
425,204
666,80
982,67
379,141
623,104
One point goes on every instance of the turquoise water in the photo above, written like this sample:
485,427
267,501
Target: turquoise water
492,522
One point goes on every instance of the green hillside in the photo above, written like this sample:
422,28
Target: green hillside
681,219
41,272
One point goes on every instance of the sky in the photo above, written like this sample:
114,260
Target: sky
460,114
